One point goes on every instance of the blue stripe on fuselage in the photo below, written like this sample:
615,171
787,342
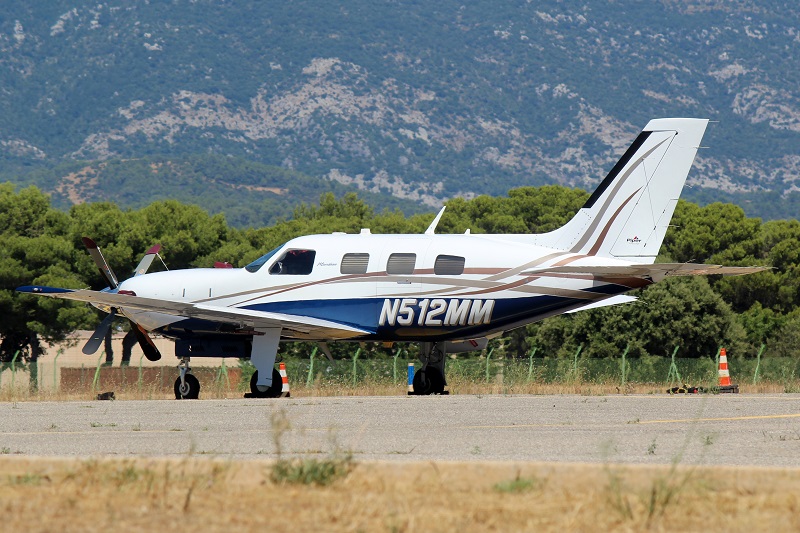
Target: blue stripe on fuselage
365,313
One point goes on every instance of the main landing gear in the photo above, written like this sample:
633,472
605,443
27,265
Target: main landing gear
430,378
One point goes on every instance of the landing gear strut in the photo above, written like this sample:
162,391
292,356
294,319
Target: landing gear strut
187,387
430,378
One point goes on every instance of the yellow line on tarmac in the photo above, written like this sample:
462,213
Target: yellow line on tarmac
514,426
755,417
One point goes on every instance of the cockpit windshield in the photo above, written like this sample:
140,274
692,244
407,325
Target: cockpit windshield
258,263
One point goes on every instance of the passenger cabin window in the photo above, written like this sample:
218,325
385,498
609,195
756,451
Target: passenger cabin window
401,264
295,263
448,265
354,264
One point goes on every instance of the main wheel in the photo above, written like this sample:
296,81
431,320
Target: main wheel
190,389
437,380
273,391
428,381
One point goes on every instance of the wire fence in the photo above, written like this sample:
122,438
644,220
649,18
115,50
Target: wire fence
393,371
657,370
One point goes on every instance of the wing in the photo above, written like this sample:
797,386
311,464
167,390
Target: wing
655,271
303,325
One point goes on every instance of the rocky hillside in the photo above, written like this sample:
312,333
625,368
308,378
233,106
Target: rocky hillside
423,101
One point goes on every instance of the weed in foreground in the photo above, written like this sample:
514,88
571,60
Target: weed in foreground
28,479
311,471
518,485
305,471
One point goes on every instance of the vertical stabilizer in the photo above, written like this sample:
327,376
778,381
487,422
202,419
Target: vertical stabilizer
629,213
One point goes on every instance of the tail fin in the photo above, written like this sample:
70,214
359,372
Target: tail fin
628,215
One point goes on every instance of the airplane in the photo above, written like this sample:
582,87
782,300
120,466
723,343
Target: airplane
449,292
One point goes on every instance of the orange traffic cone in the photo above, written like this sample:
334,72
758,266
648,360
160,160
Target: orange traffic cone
724,376
285,380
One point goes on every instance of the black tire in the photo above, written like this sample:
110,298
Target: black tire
436,379
274,391
191,389
422,383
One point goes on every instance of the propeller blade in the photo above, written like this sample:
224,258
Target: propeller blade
145,342
100,261
99,334
147,260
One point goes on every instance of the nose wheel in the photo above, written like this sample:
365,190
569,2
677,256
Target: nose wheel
187,387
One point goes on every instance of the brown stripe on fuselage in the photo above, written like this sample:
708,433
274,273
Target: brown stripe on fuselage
507,273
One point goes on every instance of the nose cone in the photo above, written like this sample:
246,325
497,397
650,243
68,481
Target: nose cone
191,284
167,285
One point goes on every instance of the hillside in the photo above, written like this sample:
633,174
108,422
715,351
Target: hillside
250,194
423,101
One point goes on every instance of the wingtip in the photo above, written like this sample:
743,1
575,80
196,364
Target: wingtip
89,243
40,289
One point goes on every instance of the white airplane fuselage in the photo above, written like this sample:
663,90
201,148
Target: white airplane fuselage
401,287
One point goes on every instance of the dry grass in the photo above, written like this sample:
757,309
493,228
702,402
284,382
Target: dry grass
39,494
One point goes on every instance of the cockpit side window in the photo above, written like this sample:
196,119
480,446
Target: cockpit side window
258,263
294,262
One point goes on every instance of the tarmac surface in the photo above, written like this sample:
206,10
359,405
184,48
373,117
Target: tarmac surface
756,430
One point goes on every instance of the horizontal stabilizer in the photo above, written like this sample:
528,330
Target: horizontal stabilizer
654,271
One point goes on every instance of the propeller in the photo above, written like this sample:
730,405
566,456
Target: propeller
145,342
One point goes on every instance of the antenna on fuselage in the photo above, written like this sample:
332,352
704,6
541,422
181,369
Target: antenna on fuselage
435,222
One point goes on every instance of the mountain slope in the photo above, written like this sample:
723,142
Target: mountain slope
423,101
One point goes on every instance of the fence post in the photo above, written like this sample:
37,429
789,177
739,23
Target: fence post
673,370
139,381
14,370
355,367
55,368
394,366
223,373
97,372
758,363
310,378
488,357
575,362
623,363
530,363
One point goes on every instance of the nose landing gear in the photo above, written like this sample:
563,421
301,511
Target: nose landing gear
187,387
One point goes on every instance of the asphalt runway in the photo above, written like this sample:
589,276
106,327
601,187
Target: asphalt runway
757,430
